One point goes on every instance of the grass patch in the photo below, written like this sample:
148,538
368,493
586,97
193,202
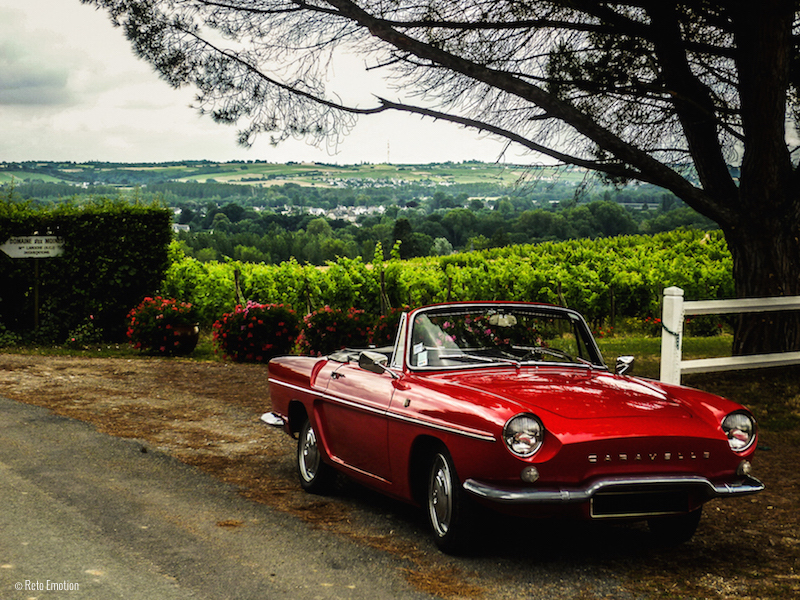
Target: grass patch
203,352
647,350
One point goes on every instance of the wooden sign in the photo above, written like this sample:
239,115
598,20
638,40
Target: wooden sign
33,246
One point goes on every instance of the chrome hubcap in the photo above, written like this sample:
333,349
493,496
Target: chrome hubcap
440,500
309,455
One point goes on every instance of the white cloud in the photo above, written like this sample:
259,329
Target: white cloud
24,77
71,89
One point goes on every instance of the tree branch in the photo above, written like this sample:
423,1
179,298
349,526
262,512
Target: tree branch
609,168
647,167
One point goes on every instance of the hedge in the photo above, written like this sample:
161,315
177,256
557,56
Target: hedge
115,253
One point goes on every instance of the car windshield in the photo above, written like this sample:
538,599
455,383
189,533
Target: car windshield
461,336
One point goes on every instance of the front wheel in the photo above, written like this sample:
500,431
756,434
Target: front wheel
449,509
316,476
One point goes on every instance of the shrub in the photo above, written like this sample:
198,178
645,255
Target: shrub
84,335
704,326
329,329
385,329
8,338
257,332
640,326
163,326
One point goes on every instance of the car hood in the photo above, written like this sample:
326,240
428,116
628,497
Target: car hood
574,394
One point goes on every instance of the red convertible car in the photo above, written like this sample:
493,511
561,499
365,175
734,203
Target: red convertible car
510,405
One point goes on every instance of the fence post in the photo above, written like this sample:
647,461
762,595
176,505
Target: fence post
671,335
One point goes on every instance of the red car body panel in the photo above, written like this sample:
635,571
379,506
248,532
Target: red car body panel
599,427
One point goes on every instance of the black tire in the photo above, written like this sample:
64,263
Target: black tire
316,476
447,505
675,530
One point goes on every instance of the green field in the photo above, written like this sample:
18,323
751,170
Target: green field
9,176
306,174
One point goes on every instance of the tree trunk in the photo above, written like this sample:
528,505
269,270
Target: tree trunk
766,263
763,232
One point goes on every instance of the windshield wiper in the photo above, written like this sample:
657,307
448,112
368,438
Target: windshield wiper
483,359
533,350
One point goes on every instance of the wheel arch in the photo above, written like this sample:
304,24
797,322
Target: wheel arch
422,451
297,416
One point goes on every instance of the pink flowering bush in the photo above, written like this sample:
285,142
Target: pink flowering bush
329,329
472,331
163,326
384,331
256,332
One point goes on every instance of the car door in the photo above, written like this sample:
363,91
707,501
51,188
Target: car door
353,418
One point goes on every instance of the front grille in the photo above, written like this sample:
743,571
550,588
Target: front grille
639,504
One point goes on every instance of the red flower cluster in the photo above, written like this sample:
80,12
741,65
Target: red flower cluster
652,326
256,332
384,330
163,326
329,329
603,333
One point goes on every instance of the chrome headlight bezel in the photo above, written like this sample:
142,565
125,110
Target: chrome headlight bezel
523,435
741,430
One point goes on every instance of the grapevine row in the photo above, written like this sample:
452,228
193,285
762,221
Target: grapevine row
602,278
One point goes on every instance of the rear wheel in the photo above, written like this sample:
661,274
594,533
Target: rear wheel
316,476
448,507
677,529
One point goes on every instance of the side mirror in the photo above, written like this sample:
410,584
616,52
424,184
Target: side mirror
624,365
375,362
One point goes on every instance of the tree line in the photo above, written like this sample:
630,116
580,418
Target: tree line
315,224
432,226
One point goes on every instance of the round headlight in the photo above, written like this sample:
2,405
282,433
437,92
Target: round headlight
523,435
740,428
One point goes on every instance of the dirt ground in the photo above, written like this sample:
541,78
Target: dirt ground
207,414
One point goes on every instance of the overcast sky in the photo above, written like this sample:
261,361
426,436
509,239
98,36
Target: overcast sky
71,89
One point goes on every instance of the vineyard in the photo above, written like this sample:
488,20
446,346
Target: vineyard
605,279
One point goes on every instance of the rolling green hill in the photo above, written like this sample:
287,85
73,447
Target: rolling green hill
269,174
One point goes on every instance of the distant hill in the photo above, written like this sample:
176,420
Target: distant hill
269,174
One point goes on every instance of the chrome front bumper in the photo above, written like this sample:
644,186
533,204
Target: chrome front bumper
614,485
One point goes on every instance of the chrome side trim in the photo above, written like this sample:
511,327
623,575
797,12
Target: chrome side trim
748,485
473,434
327,396
291,386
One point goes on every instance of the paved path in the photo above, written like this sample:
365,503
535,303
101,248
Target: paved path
87,516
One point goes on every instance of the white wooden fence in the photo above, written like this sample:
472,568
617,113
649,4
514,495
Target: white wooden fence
676,309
